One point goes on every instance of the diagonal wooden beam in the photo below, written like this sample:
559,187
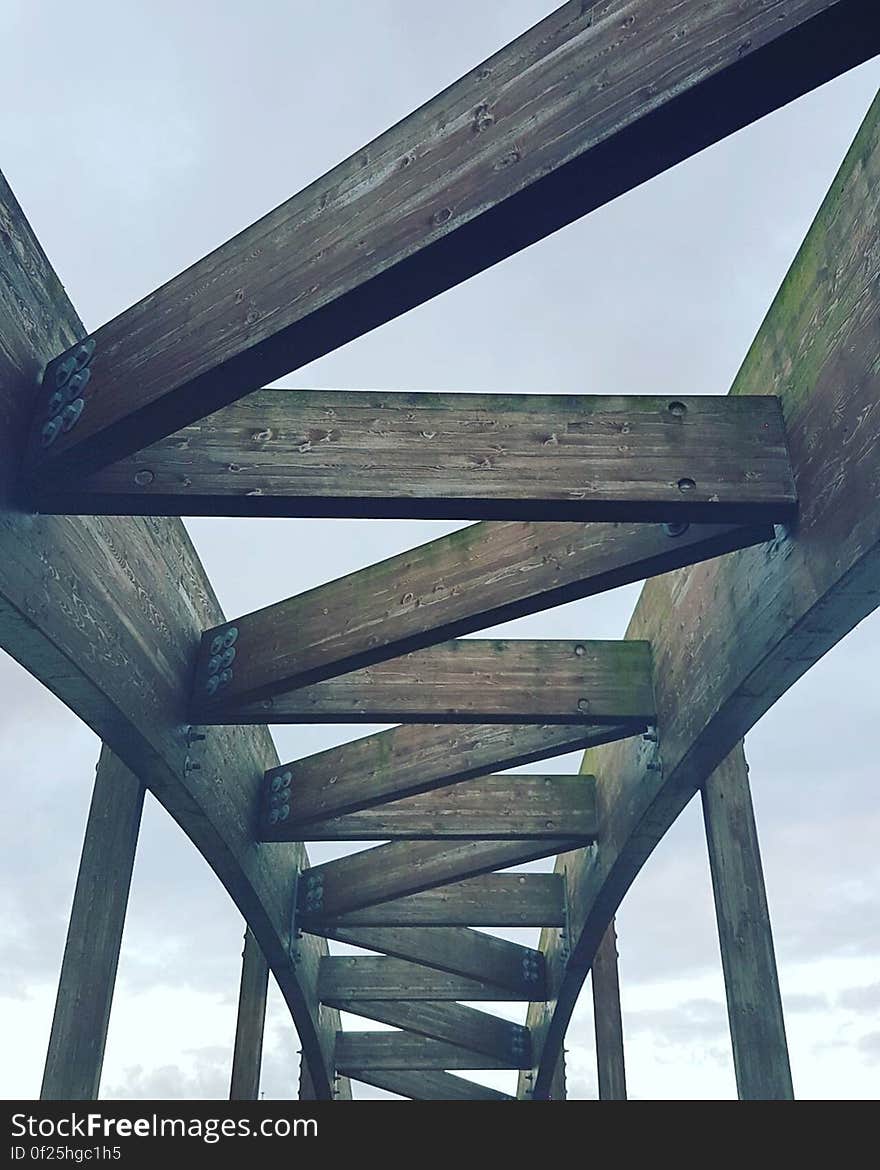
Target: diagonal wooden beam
456,950
478,577
592,101
428,1085
349,978
490,899
453,1023
403,1050
407,760
501,808
408,867
374,454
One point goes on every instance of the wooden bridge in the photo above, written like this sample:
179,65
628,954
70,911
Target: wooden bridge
754,515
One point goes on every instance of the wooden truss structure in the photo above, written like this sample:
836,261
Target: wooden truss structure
756,516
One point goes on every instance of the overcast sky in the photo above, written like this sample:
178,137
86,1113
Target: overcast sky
140,135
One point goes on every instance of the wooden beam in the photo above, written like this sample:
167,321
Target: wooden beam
403,1050
248,1052
345,978
608,1020
579,109
385,872
751,982
490,899
428,1085
501,808
94,936
478,577
460,457
456,950
408,760
754,622
453,1023
472,680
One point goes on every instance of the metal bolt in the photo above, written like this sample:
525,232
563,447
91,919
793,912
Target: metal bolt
228,656
583,706
193,736
214,664
276,783
686,485
273,816
650,735
230,637
63,371
71,413
286,778
50,432
144,477
677,409
654,766
212,684
56,401
679,527
216,644
285,812
77,383
190,766
580,651
83,354
225,677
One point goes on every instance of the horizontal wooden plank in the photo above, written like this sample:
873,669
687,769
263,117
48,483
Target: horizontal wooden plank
490,899
403,1050
408,867
453,1023
580,108
407,760
471,680
508,807
460,456
355,977
477,577
457,950
428,1085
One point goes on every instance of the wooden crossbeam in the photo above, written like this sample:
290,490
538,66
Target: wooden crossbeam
407,760
477,577
509,807
457,950
346,978
460,456
428,1085
408,867
490,899
470,680
402,1050
582,107
453,1023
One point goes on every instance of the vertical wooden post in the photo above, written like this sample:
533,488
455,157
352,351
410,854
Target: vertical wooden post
608,1019
754,1005
94,935
248,1053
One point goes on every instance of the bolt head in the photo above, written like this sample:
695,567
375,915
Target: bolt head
63,371
216,644
230,637
212,684
50,432
71,413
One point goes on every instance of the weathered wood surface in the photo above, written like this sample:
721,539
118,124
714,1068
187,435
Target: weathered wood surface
751,982
731,636
471,680
403,1050
385,872
490,899
457,950
405,761
460,456
247,1053
477,577
75,1055
344,978
453,1023
608,1020
593,100
509,807
428,1085
107,613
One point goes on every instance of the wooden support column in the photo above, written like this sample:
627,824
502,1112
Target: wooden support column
248,1053
608,1020
751,983
94,935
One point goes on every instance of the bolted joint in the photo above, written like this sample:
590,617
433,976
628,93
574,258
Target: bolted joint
64,381
276,798
217,672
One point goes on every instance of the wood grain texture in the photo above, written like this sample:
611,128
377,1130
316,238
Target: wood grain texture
247,1053
471,680
608,1020
501,808
593,100
477,577
751,981
490,899
391,871
107,613
408,760
730,637
402,1050
75,1055
345,978
374,454
428,1085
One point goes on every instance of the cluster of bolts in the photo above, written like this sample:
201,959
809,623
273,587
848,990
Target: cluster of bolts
222,657
314,892
531,967
279,797
519,1038
66,378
